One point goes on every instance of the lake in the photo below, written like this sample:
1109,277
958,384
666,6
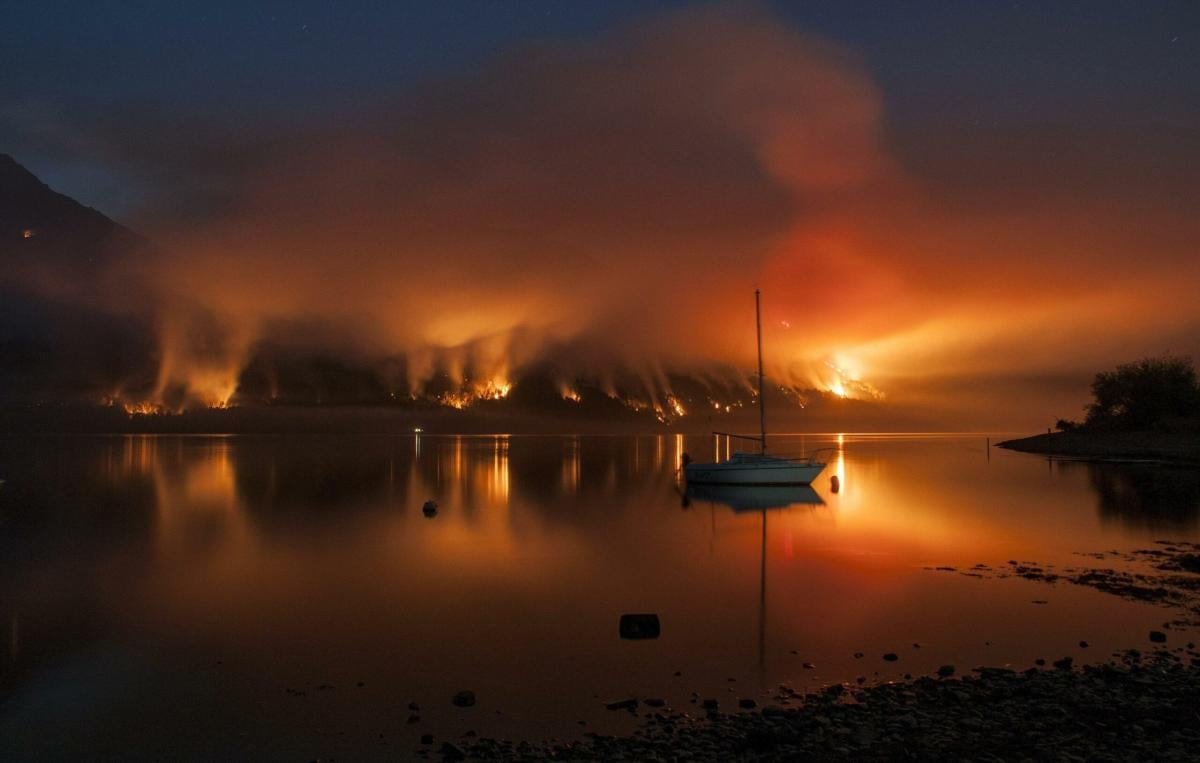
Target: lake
287,597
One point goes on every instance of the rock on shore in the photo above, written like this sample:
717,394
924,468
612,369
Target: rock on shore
1122,711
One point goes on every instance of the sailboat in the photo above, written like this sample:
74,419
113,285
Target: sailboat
759,468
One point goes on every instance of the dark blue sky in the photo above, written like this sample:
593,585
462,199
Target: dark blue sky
1129,69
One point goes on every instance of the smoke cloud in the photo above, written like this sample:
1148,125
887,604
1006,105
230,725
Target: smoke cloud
606,209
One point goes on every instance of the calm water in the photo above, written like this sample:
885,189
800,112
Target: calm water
160,594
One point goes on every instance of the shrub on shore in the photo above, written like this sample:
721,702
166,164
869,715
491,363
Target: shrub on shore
1151,393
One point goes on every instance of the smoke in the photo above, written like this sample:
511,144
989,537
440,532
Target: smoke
605,210
614,203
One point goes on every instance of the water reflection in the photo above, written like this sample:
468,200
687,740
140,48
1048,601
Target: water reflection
308,560
755,497
1147,496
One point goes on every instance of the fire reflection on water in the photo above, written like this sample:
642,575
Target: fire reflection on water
311,558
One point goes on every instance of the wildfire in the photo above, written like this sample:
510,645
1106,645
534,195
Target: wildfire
570,394
28,233
458,400
493,389
675,406
848,384
142,409
665,414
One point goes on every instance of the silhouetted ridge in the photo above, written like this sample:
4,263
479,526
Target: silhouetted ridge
34,216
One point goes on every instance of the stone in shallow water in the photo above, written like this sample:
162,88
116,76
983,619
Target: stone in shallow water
640,626
946,671
1158,637
891,657
465,698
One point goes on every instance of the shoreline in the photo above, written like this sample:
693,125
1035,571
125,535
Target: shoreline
1162,447
1132,707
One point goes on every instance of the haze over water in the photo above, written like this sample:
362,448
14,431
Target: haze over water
214,595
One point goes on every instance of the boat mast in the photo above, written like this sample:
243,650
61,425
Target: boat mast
762,403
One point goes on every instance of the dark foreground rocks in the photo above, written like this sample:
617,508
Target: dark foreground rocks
1134,710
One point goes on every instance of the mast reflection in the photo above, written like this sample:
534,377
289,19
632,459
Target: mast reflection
761,498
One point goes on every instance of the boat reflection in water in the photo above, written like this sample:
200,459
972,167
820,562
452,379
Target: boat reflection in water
760,498
742,498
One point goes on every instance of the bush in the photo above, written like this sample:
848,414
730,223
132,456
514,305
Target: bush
1066,425
1142,394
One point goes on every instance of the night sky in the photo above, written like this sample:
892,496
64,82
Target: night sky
949,197
1126,74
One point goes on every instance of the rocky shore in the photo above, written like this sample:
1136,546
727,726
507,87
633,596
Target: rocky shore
1172,447
1167,575
1136,708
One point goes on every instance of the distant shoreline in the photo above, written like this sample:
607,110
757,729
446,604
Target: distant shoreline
1169,447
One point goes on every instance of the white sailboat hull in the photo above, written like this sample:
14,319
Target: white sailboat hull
754,470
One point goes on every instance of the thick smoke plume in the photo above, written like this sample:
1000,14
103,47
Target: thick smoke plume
604,211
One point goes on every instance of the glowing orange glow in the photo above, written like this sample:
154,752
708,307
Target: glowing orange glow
569,393
812,193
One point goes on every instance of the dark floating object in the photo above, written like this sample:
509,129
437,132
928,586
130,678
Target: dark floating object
891,657
464,698
1158,637
834,484
641,626
430,508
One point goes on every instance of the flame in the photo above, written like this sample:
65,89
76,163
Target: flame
496,388
676,406
142,409
847,383
28,233
569,393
